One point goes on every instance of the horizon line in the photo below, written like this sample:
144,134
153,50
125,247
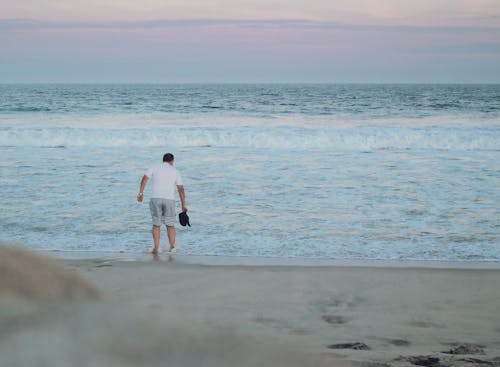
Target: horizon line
246,82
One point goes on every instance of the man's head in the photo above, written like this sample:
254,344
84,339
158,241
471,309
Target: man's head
169,158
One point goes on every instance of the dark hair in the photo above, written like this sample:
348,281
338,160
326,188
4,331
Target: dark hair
168,157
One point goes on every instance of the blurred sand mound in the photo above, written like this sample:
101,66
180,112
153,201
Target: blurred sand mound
109,332
34,277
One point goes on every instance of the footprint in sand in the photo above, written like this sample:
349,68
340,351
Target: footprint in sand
426,324
400,342
355,346
103,265
334,319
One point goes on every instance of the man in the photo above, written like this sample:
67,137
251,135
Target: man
164,179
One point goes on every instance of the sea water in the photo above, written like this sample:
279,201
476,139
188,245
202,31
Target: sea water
390,172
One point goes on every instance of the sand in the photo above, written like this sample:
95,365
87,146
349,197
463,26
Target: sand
172,312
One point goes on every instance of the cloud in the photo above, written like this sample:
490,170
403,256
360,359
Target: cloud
296,24
240,49
478,48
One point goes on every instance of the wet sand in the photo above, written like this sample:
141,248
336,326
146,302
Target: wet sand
156,313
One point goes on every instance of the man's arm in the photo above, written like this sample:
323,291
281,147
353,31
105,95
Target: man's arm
140,195
182,196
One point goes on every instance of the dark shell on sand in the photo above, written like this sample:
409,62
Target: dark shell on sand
466,349
426,361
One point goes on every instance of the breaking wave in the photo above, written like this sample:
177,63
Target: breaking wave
281,137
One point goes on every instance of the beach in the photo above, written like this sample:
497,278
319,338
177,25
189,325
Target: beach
339,162
169,311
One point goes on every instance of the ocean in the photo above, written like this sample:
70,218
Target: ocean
281,171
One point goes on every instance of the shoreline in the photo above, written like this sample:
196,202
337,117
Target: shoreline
217,260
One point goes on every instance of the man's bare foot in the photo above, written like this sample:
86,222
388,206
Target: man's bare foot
153,250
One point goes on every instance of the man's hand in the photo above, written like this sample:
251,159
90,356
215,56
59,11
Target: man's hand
140,195
182,196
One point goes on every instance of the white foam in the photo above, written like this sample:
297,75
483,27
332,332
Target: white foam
359,138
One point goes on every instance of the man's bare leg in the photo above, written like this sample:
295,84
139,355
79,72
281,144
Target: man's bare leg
156,238
171,236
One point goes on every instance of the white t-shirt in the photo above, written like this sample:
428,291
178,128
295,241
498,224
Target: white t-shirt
164,180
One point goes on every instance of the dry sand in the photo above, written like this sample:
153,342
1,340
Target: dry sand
159,313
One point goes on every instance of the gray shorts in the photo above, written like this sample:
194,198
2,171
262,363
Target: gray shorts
162,211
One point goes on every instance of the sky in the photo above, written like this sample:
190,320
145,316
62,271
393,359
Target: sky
232,41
